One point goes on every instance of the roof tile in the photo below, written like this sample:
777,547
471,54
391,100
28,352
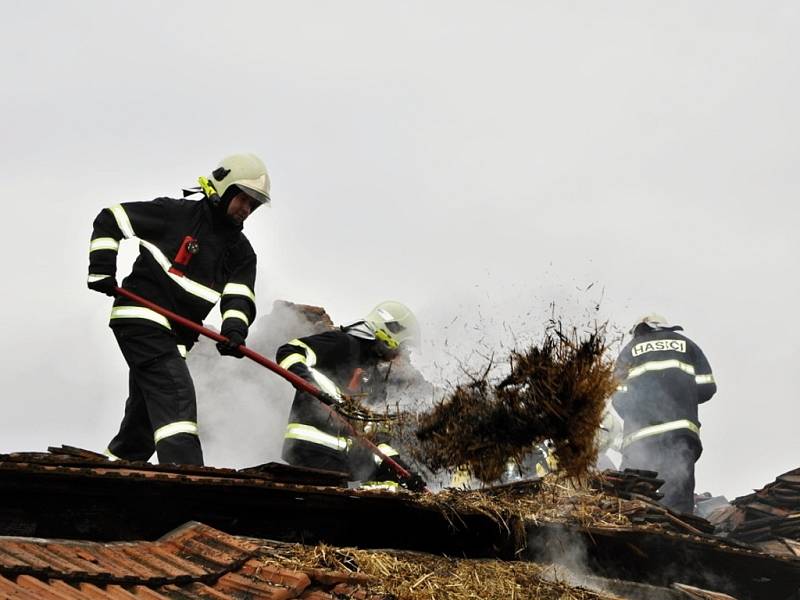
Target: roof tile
39,589
235,584
66,590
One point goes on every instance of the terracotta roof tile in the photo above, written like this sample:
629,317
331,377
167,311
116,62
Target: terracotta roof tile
201,590
66,590
190,553
316,595
38,588
193,562
145,593
234,584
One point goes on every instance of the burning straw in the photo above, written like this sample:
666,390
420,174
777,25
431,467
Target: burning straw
555,391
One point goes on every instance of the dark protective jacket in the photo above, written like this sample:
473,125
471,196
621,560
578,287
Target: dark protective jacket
312,431
338,356
663,377
187,279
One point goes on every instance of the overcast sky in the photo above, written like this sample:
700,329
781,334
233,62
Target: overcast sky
475,160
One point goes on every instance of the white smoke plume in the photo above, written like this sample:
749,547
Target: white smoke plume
242,406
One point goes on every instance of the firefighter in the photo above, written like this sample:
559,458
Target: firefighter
192,255
663,377
334,362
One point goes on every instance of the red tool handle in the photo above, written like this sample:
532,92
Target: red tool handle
296,381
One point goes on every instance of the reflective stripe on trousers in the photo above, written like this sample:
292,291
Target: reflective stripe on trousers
174,429
307,433
659,429
111,456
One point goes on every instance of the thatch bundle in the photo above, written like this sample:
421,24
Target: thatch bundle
555,391
416,576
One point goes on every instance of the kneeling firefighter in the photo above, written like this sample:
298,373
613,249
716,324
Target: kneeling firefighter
333,361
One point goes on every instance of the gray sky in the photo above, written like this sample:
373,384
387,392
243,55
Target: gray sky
477,160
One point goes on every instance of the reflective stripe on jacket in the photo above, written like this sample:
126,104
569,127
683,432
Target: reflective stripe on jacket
652,430
220,266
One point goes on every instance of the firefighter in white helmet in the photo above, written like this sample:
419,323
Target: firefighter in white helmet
192,255
334,361
663,377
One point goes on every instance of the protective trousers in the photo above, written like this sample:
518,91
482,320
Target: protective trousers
673,456
161,410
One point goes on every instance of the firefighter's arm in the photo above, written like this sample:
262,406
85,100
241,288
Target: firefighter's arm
610,434
621,369
297,356
238,301
324,350
111,226
704,377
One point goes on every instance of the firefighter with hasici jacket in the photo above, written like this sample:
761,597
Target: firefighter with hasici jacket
663,377
192,255
333,362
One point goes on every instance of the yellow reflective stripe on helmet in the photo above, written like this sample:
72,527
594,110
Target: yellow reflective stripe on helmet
701,379
174,429
236,314
239,289
182,350
103,244
659,429
660,365
93,278
111,455
387,451
194,288
123,222
307,433
139,312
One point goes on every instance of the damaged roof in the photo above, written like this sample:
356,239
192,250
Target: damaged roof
193,561
75,519
770,517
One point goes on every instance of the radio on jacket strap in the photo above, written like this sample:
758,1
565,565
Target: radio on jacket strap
188,248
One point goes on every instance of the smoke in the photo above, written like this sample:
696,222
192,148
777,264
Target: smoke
567,558
243,407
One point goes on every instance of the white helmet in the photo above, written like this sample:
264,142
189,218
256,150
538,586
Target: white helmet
246,172
393,323
652,320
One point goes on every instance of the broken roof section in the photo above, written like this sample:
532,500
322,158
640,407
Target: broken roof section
624,537
768,518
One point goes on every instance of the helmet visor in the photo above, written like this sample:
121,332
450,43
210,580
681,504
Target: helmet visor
257,195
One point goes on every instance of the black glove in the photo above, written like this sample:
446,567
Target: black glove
105,285
415,483
231,347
